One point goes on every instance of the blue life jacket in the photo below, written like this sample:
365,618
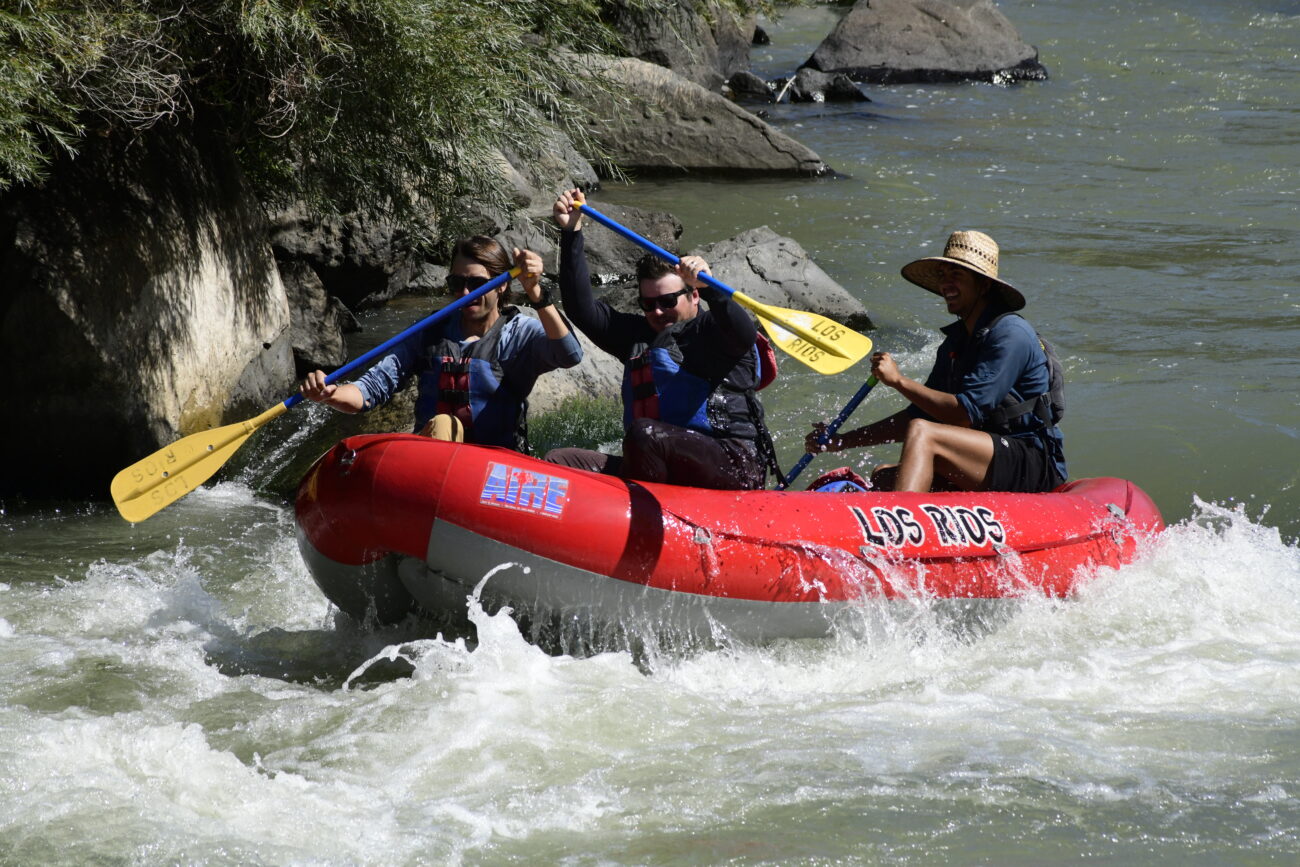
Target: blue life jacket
468,382
657,385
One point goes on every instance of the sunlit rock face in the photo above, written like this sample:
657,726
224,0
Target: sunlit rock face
141,303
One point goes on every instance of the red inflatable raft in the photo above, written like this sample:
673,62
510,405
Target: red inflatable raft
389,524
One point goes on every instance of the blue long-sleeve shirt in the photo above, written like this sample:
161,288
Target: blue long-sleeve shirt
524,353
980,373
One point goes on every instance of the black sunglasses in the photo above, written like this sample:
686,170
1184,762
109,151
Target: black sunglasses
663,302
457,283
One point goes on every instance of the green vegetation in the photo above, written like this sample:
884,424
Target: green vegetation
396,107
581,422
392,105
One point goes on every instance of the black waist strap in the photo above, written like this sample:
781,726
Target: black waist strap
1040,406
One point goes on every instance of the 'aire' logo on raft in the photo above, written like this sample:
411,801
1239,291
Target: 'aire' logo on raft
510,487
896,526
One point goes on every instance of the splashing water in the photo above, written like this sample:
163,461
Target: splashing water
149,714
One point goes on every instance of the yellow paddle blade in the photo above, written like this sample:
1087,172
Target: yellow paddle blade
823,344
814,356
799,333
165,476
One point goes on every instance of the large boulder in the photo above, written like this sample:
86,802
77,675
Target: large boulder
745,86
532,178
553,165
776,270
700,41
141,303
899,41
360,259
610,256
319,320
771,269
597,375
809,85
671,125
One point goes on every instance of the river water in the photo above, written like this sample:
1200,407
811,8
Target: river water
179,691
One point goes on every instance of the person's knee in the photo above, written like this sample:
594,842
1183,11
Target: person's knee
568,457
920,432
639,431
921,439
581,459
642,439
447,428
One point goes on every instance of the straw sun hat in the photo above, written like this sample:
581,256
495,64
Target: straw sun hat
973,251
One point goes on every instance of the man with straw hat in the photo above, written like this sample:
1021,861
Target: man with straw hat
984,420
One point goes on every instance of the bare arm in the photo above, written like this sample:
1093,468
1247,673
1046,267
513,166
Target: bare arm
939,405
888,430
345,397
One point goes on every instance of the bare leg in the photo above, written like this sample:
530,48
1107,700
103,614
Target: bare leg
958,454
885,478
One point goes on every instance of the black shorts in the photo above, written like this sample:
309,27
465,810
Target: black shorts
1020,465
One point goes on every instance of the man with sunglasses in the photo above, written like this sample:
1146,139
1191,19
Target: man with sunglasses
474,371
689,410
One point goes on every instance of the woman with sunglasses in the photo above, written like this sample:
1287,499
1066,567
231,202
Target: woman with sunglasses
690,414
474,371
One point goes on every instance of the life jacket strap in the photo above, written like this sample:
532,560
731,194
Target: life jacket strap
645,396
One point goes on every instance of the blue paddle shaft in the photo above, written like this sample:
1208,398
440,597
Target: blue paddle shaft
495,283
649,245
830,431
672,259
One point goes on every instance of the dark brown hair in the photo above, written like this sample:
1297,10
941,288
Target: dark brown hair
651,267
485,251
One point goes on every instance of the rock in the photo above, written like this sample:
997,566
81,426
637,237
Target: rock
361,260
702,42
610,256
142,303
899,41
748,87
776,270
534,234
319,320
809,85
598,374
430,280
532,178
672,125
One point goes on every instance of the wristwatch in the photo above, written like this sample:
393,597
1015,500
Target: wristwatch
544,301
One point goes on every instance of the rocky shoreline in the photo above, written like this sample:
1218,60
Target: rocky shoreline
150,294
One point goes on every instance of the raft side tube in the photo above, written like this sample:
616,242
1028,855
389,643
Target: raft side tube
369,593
